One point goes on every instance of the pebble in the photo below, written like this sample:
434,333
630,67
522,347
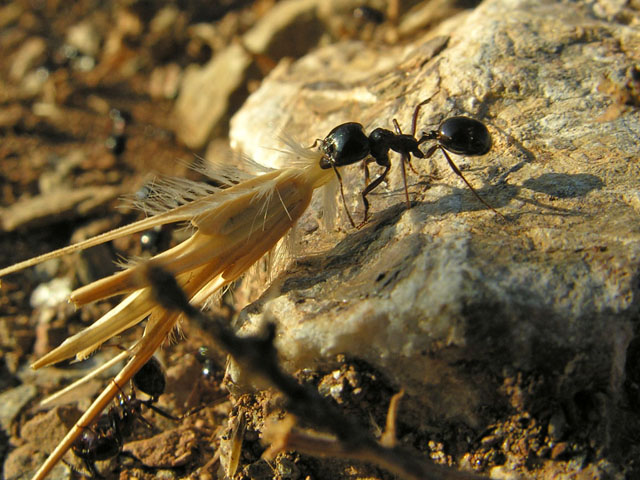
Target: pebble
84,37
207,94
28,57
13,401
55,206
51,293
169,449
557,426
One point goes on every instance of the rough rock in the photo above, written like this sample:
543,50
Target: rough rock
310,97
55,423
446,297
42,433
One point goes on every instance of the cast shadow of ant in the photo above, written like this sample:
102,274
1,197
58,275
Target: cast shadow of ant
562,185
556,185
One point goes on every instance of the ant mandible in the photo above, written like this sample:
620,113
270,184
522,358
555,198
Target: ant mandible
347,144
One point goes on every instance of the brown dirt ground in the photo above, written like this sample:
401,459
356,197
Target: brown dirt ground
537,438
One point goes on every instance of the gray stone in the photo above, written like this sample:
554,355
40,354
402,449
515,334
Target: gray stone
424,293
12,401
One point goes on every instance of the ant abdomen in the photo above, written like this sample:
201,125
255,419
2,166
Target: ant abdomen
464,136
101,442
150,379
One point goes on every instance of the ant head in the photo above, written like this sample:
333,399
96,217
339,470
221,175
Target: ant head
463,135
345,144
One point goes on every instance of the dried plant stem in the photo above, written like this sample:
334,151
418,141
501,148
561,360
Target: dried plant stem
234,229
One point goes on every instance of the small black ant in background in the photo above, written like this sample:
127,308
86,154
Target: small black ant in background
209,366
369,14
347,144
153,239
105,439
116,142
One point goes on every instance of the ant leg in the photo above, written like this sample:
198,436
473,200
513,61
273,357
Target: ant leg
397,127
367,176
417,152
160,411
459,173
414,118
431,151
369,188
194,410
406,158
91,467
344,202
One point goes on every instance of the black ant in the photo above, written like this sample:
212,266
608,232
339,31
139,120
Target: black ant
105,439
347,144
116,142
209,366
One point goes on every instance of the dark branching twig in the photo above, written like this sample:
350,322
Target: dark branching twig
258,355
